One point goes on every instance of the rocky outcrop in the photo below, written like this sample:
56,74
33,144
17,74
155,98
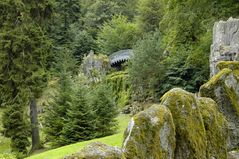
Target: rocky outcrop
190,132
95,66
233,155
150,135
183,126
223,88
98,150
216,128
225,45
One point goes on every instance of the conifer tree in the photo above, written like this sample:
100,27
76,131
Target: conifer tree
23,52
150,13
103,103
55,115
80,121
56,111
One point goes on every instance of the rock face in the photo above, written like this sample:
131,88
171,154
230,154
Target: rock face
225,45
190,132
233,155
150,135
223,88
98,150
183,126
216,128
95,66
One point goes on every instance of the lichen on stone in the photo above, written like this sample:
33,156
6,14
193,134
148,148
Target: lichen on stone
216,128
233,65
97,150
223,88
152,136
190,132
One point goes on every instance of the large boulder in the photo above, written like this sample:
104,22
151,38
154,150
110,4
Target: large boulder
190,132
233,155
95,67
223,88
225,45
216,128
150,135
97,150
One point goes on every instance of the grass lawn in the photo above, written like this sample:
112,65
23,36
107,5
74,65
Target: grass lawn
4,145
4,142
114,140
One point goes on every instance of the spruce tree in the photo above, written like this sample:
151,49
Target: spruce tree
80,122
23,52
55,115
103,103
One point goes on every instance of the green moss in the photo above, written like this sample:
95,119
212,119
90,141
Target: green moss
233,65
223,88
216,128
97,150
218,77
121,87
152,134
190,132
7,156
219,82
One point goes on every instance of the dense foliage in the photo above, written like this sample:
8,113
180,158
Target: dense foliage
24,49
186,33
117,34
45,41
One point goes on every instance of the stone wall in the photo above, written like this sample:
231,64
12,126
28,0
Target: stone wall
225,45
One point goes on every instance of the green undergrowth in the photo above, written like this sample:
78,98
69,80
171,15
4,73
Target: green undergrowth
113,140
121,87
4,142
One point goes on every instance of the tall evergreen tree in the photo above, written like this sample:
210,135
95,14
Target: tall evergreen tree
23,52
148,59
66,14
55,115
80,121
149,14
103,102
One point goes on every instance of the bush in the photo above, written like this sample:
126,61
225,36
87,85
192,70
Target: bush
148,57
116,35
103,102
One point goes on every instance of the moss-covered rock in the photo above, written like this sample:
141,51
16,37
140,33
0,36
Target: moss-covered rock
95,66
97,150
233,65
223,88
150,135
190,132
233,155
216,128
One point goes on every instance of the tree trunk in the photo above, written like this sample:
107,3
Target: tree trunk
34,126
